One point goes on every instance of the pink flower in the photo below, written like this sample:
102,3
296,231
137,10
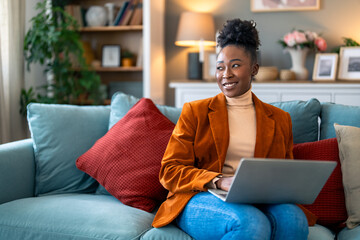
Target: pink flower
300,37
289,39
311,36
320,44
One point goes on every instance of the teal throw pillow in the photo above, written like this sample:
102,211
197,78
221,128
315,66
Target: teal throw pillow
62,133
337,113
304,117
121,104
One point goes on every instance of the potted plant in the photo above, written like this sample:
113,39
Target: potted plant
53,40
127,59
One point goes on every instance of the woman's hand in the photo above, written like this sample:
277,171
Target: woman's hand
224,183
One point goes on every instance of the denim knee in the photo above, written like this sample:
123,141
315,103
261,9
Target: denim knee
251,224
288,222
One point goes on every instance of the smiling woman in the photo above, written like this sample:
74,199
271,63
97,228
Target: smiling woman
210,138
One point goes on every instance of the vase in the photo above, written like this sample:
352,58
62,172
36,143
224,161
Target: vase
298,59
96,16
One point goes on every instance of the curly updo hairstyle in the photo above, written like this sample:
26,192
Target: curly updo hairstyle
242,34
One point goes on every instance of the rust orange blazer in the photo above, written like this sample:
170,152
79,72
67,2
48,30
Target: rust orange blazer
197,149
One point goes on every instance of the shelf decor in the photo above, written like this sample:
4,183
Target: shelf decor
349,68
325,66
111,56
299,43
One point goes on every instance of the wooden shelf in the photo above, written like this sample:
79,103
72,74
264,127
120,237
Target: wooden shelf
112,28
118,69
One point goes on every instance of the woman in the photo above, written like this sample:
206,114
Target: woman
211,137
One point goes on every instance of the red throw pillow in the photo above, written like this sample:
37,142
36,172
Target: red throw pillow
329,206
127,159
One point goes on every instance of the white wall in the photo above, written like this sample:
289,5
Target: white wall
335,20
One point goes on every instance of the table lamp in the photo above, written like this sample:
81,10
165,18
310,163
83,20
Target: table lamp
195,30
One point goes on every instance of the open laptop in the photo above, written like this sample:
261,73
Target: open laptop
260,180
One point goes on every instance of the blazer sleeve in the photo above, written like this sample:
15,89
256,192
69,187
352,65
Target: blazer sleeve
178,172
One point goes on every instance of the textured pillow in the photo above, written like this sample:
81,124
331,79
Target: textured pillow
336,113
121,104
304,117
349,147
329,206
127,160
62,133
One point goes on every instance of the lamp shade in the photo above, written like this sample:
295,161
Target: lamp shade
195,27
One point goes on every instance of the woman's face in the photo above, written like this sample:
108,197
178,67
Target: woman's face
234,70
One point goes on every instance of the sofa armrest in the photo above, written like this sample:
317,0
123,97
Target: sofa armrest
17,170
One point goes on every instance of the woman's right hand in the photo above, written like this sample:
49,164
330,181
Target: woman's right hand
224,183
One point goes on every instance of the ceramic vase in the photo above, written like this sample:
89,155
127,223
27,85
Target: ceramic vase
96,16
298,59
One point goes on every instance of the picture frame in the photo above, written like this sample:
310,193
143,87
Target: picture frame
209,66
325,66
111,56
349,67
284,5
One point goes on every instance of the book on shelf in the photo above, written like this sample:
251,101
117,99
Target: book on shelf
76,12
128,13
120,13
136,18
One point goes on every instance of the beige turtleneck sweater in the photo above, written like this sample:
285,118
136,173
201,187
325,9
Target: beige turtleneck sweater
242,129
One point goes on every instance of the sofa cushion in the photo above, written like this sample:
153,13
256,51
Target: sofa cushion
168,232
329,206
336,113
72,216
121,104
304,117
61,133
127,160
349,147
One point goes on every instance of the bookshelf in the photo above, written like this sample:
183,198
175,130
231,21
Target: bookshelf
144,41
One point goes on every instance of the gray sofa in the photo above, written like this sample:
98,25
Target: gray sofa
44,196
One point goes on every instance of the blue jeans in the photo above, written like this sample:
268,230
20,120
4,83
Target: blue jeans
207,217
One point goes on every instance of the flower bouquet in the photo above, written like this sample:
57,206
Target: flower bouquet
303,39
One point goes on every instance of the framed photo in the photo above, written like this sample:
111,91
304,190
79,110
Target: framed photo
284,5
209,66
111,56
325,66
349,67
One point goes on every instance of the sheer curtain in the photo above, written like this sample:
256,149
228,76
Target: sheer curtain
12,28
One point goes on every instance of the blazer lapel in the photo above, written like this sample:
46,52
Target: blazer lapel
265,129
219,125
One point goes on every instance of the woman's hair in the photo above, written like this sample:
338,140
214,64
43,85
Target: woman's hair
242,34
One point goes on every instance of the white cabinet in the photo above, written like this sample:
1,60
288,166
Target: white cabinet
347,93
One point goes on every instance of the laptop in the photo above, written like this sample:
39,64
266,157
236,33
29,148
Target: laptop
273,181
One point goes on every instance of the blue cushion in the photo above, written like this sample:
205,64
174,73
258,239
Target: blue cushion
72,216
349,234
169,232
337,113
319,232
304,117
61,133
121,104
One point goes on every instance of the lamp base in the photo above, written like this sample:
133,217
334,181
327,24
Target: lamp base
195,67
